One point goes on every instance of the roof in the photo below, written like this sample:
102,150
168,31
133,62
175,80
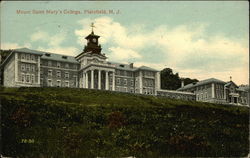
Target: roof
51,56
231,82
146,68
26,50
243,88
92,34
59,57
129,68
203,82
123,66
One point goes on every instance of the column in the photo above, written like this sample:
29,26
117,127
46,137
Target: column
83,79
87,80
107,81
16,67
39,69
92,79
225,97
140,82
159,80
212,90
113,83
99,79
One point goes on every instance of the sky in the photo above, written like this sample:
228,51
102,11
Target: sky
197,39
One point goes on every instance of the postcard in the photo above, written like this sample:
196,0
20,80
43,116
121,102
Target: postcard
124,78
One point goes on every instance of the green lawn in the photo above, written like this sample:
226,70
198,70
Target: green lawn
65,122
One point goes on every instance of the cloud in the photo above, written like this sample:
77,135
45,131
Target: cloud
40,35
111,31
121,54
8,45
54,43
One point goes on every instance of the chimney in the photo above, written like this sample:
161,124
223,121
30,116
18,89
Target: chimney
131,65
182,83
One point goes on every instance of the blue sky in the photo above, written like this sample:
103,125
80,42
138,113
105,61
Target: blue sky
196,39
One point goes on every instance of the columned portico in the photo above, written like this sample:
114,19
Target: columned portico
98,78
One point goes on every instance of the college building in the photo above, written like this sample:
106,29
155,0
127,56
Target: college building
90,69
216,91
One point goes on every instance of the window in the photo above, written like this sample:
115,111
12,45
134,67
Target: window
151,83
58,64
132,83
41,80
58,74
75,80
41,72
23,78
66,83
49,82
125,81
33,68
28,78
67,65
23,67
32,57
32,78
118,80
49,63
58,83
23,56
131,90
66,75
49,72
27,56
27,67
75,66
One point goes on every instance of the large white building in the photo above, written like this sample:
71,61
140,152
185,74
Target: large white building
90,69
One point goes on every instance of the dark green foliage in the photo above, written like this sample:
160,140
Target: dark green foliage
172,81
64,122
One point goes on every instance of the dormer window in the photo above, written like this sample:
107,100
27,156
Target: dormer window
47,54
64,57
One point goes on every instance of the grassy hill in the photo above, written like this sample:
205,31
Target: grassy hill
65,122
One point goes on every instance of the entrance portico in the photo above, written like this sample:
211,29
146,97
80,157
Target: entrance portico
233,98
98,78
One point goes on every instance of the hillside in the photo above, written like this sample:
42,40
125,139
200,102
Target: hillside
64,122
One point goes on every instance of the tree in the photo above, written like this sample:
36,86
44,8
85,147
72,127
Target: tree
169,80
172,81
